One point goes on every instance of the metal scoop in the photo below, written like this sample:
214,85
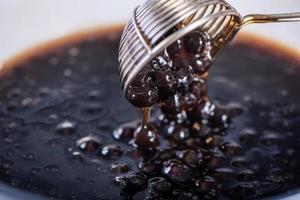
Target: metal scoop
149,31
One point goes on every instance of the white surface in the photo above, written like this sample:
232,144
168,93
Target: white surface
24,23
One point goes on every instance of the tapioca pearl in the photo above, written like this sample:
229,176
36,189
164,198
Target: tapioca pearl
230,148
111,152
137,179
278,176
195,43
185,195
164,80
215,160
147,167
205,184
270,138
248,136
162,62
246,175
184,78
234,109
174,49
124,133
179,63
172,105
190,157
211,194
240,162
212,140
176,170
66,127
196,92
224,173
200,65
89,143
177,132
143,95
166,155
219,120
146,137
243,191
159,184
119,168
121,182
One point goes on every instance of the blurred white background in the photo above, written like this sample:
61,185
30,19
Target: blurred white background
24,23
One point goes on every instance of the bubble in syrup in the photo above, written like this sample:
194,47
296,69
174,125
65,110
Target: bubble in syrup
35,171
51,168
28,156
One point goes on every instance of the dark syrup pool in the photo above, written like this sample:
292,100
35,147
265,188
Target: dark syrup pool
59,111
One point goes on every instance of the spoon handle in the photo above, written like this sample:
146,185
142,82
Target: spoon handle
269,18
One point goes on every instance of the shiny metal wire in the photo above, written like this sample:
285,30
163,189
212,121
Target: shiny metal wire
148,33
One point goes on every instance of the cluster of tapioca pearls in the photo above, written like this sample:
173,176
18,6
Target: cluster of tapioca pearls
171,77
176,80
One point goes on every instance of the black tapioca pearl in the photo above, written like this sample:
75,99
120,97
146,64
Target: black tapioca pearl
165,81
270,138
224,173
89,144
144,95
111,151
146,137
184,78
190,157
176,170
243,191
214,159
119,168
200,65
147,167
239,162
205,184
177,132
159,184
66,127
197,91
194,43
137,179
245,175
248,136
124,133
179,63
174,49
231,148
172,105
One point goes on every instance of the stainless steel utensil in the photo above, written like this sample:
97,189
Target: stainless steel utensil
148,33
